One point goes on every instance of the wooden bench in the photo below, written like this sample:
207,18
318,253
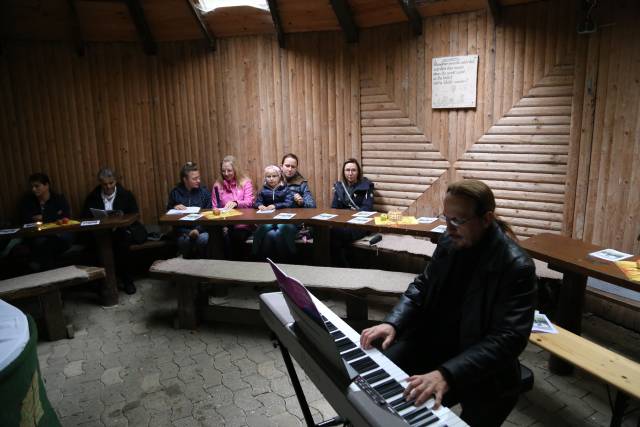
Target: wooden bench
45,286
352,283
610,367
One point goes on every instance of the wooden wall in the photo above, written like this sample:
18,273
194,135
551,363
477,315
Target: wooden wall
555,132
517,139
146,116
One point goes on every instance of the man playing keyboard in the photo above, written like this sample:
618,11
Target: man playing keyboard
461,324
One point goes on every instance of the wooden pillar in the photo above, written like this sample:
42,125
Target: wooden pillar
105,253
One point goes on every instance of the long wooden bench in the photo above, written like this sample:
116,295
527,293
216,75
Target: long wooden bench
610,367
354,284
46,286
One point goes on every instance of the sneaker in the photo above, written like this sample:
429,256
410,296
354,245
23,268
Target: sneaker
130,287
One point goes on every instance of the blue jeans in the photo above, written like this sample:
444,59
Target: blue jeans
193,248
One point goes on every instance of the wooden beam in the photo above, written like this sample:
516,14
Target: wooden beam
203,25
142,26
496,11
345,18
277,23
415,19
76,30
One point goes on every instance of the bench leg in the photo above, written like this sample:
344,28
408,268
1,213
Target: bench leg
619,406
357,308
187,294
569,314
51,305
105,252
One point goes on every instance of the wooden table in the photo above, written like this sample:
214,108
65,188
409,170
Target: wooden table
571,257
102,232
305,216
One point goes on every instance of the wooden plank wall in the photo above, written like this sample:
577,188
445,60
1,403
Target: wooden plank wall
146,116
517,139
605,176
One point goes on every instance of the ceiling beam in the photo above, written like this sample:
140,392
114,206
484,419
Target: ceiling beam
142,26
76,30
345,18
415,19
277,23
211,40
496,11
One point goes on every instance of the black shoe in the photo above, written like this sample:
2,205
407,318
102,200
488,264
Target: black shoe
130,287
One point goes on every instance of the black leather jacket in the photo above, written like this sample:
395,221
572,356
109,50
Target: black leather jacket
496,317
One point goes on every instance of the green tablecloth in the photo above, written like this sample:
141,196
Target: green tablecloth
23,397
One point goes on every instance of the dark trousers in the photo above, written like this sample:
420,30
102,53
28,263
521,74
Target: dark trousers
235,242
482,407
341,240
46,250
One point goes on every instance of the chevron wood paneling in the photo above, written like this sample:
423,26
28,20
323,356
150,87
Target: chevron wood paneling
516,140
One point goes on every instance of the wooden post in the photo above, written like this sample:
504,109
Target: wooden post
187,290
105,253
569,314
51,306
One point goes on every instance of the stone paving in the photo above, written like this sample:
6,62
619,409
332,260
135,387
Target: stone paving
127,366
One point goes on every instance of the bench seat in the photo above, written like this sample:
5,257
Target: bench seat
353,283
606,365
46,286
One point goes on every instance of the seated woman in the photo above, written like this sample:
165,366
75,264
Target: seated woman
353,192
233,190
109,195
299,186
275,194
44,205
192,240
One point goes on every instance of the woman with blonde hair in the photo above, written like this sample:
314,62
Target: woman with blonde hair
233,189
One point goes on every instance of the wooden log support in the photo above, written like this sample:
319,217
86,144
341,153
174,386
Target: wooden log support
51,308
345,18
202,24
496,11
277,22
187,289
415,19
76,29
142,26
109,292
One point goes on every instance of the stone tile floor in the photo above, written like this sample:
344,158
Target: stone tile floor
127,366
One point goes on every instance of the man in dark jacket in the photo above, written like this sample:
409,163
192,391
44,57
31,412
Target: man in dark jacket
111,196
461,324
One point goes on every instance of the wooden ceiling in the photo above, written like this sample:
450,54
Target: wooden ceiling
167,20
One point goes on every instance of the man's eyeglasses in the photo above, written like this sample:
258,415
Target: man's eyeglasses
456,222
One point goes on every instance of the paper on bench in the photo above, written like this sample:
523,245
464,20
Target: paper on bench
541,323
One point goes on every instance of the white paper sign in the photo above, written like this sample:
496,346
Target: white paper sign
265,211
610,255
324,216
88,223
284,215
359,220
453,81
9,231
364,213
191,217
440,229
426,219
541,323
187,210
31,225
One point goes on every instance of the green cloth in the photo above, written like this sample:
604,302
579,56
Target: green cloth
22,393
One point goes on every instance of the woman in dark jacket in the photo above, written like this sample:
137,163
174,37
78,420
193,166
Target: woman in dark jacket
43,205
353,192
275,241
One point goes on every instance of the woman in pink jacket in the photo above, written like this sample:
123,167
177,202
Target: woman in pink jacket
233,190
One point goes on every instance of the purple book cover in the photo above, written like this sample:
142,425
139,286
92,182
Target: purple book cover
296,292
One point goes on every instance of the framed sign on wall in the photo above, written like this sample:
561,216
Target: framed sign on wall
454,81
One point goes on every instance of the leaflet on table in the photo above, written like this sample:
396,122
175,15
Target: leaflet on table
265,211
324,216
9,230
631,269
284,215
405,220
440,229
427,219
88,223
541,323
32,225
359,220
191,217
187,210
364,213
610,255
